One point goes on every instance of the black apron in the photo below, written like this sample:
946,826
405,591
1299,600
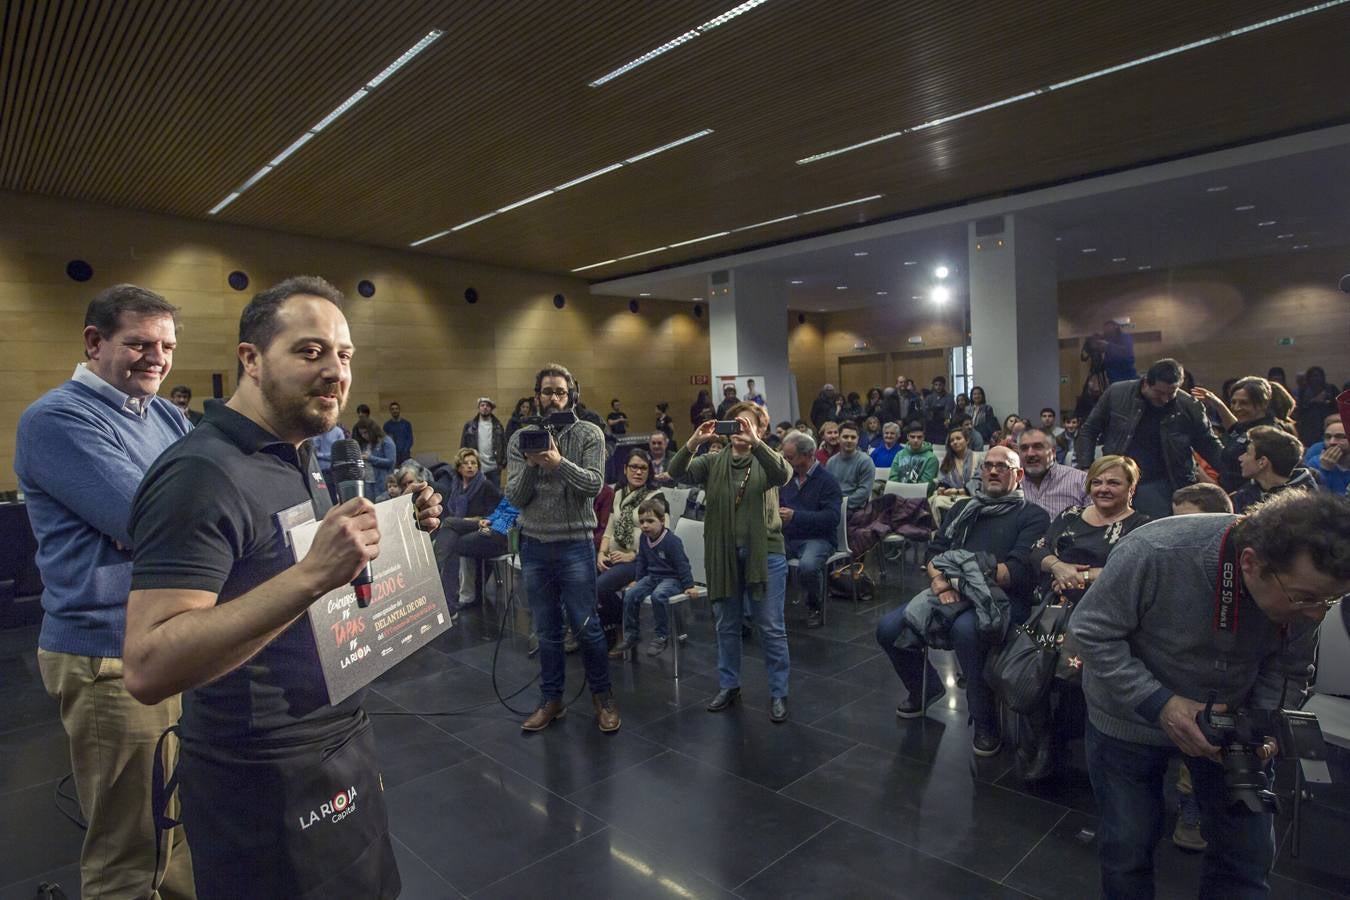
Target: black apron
305,820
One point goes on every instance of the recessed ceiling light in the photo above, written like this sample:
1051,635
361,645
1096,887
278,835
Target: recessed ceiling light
820,309
1059,239
1244,207
361,93
1214,189
881,293
430,237
645,294
643,253
851,202
1300,246
672,145
594,265
911,262
706,237
588,176
841,287
1283,236
942,271
671,44
795,281
1079,79
859,252
1144,268
769,222
1117,259
539,196
940,294
1088,250
1265,223
695,298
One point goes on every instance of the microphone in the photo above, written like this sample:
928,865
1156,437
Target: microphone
349,470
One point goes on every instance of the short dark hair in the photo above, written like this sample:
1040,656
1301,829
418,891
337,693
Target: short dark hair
105,310
937,378
655,505
258,322
850,425
1277,445
1168,371
554,370
1203,496
362,409
1048,409
1257,388
914,428
395,403
181,389
1288,523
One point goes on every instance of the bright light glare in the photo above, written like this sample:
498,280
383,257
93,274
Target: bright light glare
942,271
940,294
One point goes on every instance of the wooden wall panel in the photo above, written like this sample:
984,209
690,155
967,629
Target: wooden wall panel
418,341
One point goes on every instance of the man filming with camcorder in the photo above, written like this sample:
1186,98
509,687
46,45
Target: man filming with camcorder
555,465
1196,637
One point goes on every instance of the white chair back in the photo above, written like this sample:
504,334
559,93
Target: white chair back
882,473
690,533
1333,654
908,491
678,500
841,540
940,451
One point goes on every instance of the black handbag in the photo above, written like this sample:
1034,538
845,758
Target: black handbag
1022,670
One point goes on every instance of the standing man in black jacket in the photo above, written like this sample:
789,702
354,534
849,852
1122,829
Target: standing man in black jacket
1157,425
486,434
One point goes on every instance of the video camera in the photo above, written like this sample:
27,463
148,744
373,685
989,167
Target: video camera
537,430
1239,735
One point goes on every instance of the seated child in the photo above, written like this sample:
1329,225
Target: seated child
662,572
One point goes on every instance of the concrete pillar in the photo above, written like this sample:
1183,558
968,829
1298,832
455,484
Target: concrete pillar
1014,314
748,319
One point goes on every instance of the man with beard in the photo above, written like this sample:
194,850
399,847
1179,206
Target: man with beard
81,451
1052,487
217,611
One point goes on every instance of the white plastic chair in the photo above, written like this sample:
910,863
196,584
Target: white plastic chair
690,533
908,492
839,555
677,500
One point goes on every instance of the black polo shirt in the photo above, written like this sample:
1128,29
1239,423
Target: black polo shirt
204,519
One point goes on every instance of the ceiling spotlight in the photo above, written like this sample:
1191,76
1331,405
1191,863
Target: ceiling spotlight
695,298
859,252
1216,188
1265,223
645,294
1283,236
942,271
1144,268
796,281
911,262
1088,250
881,293
940,294
1300,246
916,297
841,287
1244,207
1117,259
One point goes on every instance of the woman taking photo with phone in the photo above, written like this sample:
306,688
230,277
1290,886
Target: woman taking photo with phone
743,541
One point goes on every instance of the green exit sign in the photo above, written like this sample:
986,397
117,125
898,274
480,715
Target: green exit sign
1064,379
1285,342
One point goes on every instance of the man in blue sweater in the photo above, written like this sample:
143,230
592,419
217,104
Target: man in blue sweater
662,572
82,449
809,505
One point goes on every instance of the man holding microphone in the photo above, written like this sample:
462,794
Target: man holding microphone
281,789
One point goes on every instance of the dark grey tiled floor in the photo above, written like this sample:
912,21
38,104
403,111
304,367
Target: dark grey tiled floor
843,801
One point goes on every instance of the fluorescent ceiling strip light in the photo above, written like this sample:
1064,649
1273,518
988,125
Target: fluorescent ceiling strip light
430,237
769,222
706,237
1090,76
671,44
594,265
810,212
520,203
430,38
643,253
462,225
587,177
664,147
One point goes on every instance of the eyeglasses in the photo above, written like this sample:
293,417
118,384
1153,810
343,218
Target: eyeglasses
1324,603
997,467
638,468
553,392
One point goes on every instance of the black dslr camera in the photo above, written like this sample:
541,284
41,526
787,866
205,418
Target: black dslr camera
1239,735
534,436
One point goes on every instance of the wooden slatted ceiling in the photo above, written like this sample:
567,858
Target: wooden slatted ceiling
169,106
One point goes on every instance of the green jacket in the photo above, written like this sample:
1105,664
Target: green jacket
768,471
915,468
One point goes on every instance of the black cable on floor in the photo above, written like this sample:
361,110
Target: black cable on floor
62,795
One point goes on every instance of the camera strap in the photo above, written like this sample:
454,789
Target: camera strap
1227,596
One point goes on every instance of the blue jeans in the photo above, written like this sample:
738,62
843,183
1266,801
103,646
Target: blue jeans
559,578
1127,779
768,616
810,554
971,651
660,590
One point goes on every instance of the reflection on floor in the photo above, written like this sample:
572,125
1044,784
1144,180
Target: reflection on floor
844,800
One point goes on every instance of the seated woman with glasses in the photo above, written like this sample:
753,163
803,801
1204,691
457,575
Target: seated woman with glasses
616,559
1069,556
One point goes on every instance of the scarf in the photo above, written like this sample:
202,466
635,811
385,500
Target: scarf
719,536
981,505
625,522
457,504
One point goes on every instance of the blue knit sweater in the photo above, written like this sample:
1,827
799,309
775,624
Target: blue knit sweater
80,458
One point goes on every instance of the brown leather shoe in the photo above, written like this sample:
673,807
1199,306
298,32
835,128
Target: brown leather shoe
544,715
606,712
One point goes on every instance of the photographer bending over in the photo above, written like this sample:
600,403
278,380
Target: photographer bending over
1189,609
